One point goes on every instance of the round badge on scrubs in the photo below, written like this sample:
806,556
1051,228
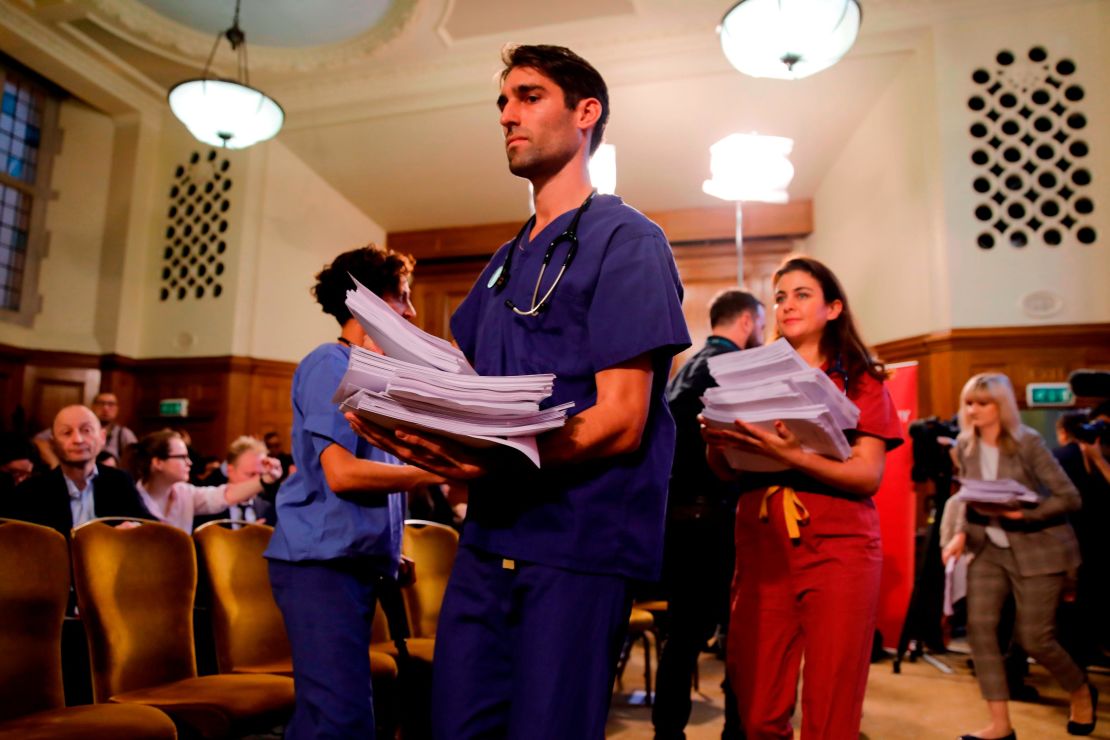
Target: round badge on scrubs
495,276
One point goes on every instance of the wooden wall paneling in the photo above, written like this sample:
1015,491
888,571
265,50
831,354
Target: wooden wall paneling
13,415
203,381
707,270
452,242
1025,354
761,221
238,386
117,375
228,396
716,223
438,289
270,398
47,390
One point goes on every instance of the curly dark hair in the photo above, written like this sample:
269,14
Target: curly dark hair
380,269
574,75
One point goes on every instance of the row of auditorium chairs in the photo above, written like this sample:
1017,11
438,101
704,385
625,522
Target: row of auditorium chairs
135,593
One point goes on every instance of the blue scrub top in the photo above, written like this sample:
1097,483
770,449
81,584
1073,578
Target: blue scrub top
620,298
313,522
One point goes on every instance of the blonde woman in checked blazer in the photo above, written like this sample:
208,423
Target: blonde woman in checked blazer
1027,552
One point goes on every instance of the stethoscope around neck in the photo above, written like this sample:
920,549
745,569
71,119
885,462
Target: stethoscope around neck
570,236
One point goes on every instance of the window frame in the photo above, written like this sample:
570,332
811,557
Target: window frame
40,193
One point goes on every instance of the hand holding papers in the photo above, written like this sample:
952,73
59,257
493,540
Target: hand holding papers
1006,493
772,383
426,384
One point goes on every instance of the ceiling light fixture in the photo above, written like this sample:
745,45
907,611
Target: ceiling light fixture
788,39
227,113
749,167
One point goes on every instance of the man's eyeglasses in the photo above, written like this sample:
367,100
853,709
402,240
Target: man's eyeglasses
176,457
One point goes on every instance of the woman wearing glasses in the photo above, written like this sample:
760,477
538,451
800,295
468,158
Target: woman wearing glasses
161,466
811,589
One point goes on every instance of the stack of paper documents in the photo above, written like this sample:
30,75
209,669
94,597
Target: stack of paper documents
424,383
772,383
1003,492
400,339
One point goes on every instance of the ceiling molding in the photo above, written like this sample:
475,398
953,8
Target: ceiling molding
166,35
54,55
134,75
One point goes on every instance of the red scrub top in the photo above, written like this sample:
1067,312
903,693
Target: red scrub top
877,418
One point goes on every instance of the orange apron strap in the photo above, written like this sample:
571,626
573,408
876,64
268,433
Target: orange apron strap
794,511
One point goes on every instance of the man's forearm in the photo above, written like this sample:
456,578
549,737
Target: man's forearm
613,426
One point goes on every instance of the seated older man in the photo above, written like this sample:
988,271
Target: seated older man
76,491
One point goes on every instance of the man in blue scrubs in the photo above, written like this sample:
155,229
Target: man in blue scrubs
538,602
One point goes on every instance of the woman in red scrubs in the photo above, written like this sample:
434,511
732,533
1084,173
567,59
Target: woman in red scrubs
808,556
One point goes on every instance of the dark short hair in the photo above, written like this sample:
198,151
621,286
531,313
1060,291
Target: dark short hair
1103,409
1070,422
380,269
729,304
576,77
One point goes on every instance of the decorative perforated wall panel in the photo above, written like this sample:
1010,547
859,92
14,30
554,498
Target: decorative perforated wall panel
196,228
1030,152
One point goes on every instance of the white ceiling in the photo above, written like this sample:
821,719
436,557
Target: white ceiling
400,117
335,20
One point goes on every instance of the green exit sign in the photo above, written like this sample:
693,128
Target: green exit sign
1048,394
173,407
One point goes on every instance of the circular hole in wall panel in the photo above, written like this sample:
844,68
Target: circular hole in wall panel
198,202
1030,166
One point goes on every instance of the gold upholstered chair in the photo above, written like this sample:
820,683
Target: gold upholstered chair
135,590
247,625
433,548
641,628
34,587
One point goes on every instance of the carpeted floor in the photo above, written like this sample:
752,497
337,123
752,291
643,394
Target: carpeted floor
919,704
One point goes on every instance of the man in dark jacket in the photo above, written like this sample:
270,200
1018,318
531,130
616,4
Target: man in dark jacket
77,491
698,552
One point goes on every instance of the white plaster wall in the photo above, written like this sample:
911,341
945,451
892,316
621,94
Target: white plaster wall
75,219
298,224
190,327
988,285
874,210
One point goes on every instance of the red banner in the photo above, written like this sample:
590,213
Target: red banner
896,503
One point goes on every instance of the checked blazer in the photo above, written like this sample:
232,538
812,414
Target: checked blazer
1043,542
